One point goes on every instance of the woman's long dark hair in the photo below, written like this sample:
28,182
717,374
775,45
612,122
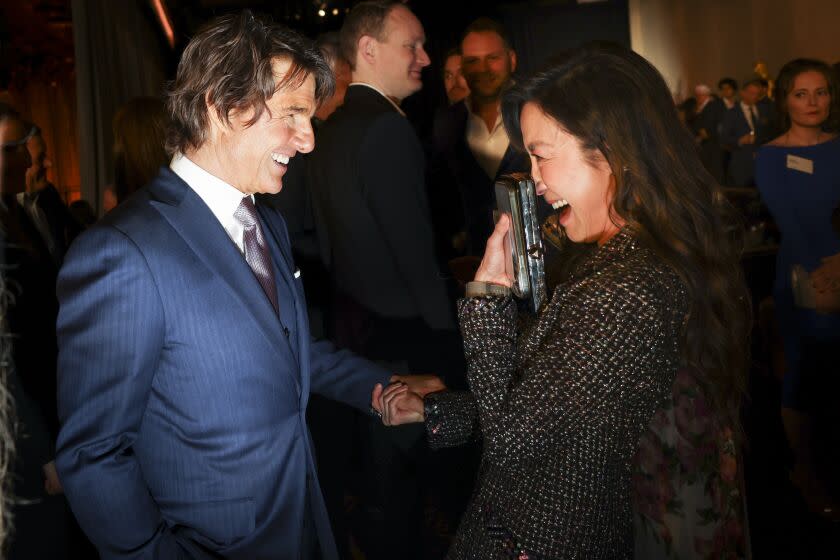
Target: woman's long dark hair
614,101
784,85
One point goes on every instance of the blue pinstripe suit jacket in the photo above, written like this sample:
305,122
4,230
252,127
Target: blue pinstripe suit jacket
181,400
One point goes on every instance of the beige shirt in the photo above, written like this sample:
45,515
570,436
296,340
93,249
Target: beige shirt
488,146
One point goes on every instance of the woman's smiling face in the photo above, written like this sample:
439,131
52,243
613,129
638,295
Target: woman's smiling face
579,185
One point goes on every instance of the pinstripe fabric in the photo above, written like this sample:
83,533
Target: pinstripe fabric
182,402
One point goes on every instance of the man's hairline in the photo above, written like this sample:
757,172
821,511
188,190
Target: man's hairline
287,87
505,44
386,32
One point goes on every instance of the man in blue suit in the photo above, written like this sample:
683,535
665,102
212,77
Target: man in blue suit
745,127
185,362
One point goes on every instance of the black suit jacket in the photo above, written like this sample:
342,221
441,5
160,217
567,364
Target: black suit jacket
457,164
63,227
31,314
367,179
710,119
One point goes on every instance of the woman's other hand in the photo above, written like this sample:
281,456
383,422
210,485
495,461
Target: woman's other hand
493,267
827,302
827,275
826,282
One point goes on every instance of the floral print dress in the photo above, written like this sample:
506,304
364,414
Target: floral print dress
687,488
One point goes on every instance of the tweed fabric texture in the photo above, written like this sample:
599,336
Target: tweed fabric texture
561,404
256,250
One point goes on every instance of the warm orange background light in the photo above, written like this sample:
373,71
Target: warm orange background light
160,10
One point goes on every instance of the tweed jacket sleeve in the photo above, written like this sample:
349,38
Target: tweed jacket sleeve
451,418
597,347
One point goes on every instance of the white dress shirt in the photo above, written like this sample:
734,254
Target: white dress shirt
222,198
748,114
488,146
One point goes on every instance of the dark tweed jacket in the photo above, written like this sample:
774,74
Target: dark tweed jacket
561,405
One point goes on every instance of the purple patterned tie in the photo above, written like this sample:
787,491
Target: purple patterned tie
256,250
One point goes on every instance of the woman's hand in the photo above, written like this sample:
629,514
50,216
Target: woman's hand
397,404
827,302
493,267
422,385
826,283
827,276
52,486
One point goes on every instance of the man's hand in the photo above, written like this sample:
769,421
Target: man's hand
747,139
52,485
397,404
422,385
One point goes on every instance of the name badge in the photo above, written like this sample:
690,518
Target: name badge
800,164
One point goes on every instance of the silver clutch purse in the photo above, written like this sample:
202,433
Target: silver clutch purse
516,196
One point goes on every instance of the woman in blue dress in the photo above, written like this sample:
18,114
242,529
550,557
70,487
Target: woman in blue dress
798,175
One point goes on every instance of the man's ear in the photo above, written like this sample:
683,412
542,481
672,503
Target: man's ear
367,49
512,55
213,114
218,123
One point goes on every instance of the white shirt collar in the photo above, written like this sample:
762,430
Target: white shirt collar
487,146
748,114
379,91
497,124
222,198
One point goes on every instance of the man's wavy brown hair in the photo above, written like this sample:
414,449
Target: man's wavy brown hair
228,65
614,101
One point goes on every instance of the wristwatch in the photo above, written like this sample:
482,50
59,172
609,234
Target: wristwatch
478,289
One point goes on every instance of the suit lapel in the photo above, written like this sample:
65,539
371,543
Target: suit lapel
277,231
193,220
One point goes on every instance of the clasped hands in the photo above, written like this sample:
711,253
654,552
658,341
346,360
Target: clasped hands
401,402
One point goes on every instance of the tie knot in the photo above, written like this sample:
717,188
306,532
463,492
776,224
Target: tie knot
246,213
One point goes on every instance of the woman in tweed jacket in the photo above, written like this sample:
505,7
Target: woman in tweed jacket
561,403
